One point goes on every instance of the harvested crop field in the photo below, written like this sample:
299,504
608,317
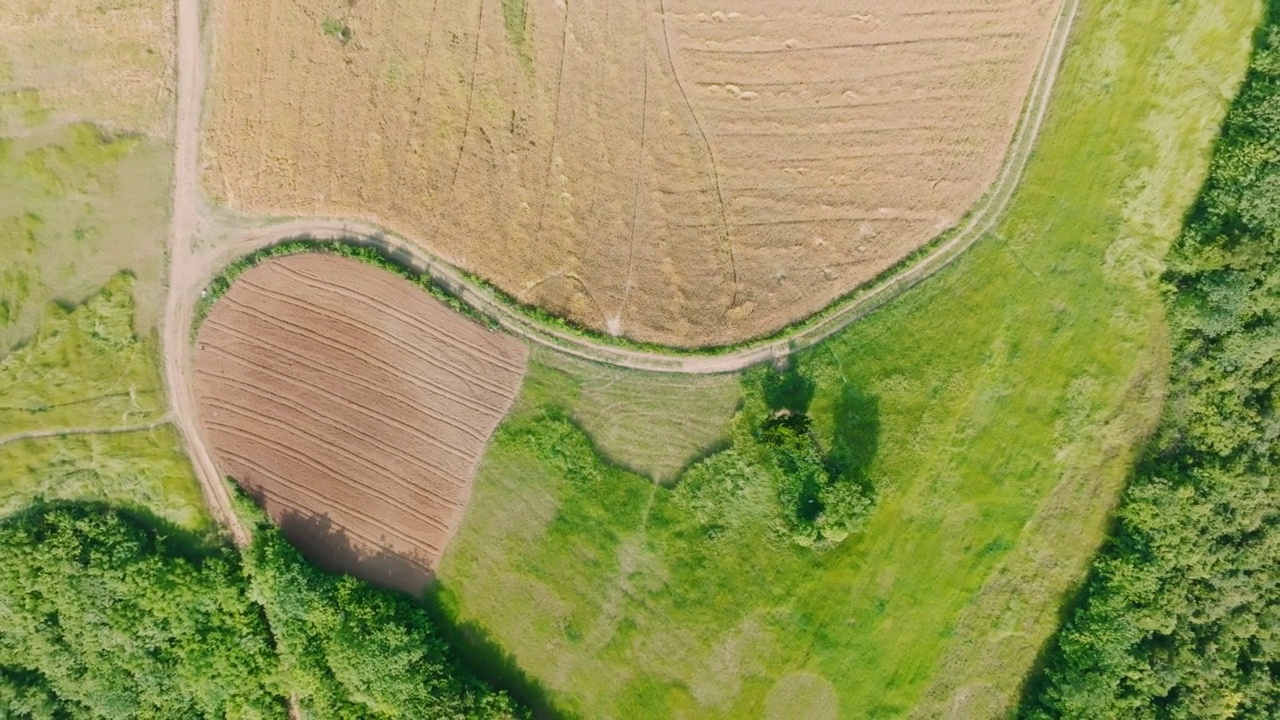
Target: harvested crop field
355,407
672,170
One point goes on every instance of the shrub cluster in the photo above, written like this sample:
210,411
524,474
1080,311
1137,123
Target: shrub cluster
363,253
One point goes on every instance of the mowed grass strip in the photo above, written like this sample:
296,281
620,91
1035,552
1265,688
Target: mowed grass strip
650,423
146,469
1010,395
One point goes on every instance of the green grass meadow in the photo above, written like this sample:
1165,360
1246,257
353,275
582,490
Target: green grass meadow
145,469
999,408
79,206
84,368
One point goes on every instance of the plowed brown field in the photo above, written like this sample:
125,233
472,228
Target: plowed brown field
679,171
354,407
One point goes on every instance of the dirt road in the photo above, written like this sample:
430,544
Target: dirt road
189,272
185,272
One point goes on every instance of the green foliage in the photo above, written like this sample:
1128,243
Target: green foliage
818,504
113,613
363,253
84,368
349,650
106,612
1181,616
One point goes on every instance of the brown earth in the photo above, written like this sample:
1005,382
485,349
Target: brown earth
664,170
355,407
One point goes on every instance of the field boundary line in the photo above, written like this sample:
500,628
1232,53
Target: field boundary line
65,432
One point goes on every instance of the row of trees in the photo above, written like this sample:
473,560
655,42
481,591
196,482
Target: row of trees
1181,615
106,613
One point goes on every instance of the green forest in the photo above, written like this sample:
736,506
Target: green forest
113,613
1180,617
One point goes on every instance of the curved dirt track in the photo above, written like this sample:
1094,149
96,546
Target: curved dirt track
189,272
680,172
520,324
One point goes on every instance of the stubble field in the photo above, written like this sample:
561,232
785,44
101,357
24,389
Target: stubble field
354,407
667,170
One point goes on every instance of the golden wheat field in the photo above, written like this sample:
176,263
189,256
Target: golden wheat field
676,171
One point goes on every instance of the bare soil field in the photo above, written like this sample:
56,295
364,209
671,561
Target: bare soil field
667,170
355,407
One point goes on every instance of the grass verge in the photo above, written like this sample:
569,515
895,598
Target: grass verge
349,249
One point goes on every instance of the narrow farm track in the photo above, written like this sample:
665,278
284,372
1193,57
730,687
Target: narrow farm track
186,273
190,272
63,432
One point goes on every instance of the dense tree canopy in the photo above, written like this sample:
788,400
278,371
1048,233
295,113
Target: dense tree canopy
1181,615
101,615
108,614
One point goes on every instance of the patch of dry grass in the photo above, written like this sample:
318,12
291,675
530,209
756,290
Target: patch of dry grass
108,62
651,424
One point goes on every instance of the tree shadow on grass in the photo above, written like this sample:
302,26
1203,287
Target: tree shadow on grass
329,547
855,438
486,657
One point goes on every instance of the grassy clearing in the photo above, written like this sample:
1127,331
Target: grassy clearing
80,206
85,368
84,164
649,423
1002,405
145,469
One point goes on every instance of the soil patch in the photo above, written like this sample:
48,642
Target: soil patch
355,407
